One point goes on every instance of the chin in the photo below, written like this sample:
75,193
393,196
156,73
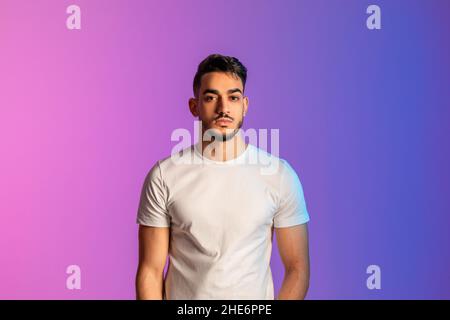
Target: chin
225,133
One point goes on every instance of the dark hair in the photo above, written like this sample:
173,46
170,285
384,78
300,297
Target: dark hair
220,63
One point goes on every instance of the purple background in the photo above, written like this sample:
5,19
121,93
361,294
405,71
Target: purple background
363,118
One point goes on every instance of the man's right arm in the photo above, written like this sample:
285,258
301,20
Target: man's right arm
153,251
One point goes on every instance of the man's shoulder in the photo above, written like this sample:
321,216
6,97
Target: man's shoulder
271,161
176,159
168,166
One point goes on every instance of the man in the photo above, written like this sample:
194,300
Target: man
215,217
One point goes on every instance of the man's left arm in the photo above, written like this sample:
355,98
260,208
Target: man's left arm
293,248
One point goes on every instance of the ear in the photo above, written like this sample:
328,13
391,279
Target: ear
193,106
245,105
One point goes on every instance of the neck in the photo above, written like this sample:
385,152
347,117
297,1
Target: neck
224,150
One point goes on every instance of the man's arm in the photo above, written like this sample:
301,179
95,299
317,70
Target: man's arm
153,250
293,247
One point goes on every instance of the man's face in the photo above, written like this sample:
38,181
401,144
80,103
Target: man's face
220,104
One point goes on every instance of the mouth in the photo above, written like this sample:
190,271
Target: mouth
223,122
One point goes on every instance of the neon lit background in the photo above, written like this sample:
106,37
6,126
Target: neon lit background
363,118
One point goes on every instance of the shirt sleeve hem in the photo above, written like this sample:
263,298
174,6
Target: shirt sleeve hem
298,221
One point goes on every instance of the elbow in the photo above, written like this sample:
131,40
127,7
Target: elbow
299,272
146,273
149,283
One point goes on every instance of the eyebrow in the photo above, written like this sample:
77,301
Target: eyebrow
214,91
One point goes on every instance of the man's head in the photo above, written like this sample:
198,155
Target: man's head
219,100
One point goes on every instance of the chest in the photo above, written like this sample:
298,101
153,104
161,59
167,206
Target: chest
242,201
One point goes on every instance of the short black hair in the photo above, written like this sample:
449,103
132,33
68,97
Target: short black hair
219,63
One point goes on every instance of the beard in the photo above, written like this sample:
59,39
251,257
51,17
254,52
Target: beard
212,134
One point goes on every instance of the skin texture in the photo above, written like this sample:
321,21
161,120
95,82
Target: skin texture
221,95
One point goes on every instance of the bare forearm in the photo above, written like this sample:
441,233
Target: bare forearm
149,285
295,285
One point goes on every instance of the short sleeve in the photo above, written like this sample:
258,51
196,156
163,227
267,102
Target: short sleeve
292,206
152,209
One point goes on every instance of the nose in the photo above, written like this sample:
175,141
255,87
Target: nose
222,107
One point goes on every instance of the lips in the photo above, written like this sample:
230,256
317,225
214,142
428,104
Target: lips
223,121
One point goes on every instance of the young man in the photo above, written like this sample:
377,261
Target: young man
214,215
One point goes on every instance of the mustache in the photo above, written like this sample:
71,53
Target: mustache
223,116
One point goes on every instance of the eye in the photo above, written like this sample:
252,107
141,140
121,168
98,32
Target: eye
209,98
235,98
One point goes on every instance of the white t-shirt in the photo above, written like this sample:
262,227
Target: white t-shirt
221,216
